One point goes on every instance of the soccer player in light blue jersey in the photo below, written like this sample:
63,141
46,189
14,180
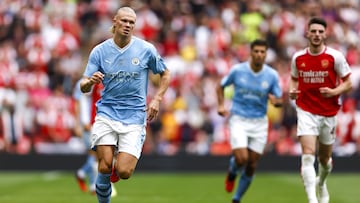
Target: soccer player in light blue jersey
122,63
255,83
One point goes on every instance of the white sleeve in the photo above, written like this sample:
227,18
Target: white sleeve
342,67
293,68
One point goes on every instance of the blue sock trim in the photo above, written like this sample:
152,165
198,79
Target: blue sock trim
103,191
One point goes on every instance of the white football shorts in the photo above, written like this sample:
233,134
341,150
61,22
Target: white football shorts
248,133
127,138
311,124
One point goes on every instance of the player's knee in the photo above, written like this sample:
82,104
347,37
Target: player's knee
125,173
307,160
326,162
241,160
104,167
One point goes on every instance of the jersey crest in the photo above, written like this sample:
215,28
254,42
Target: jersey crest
325,63
135,61
264,84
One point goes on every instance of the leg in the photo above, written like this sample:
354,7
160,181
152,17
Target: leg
92,171
130,145
239,158
114,178
308,173
325,162
82,172
125,164
325,167
103,186
247,175
87,170
239,146
326,141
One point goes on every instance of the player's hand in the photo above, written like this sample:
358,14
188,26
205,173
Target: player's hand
272,99
97,77
222,111
87,83
152,109
277,102
327,92
293,94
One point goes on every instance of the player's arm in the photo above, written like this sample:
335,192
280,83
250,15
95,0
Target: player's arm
277,102
294,85
87,82
220,99
153,107
165,78
343,87
346,85
294,79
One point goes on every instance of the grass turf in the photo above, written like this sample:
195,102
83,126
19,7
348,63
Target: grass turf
61,187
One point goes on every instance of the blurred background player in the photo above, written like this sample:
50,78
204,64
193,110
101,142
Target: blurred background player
319,75
255,83
86,111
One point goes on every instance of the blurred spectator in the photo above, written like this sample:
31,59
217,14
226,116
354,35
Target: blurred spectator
12,118
348,130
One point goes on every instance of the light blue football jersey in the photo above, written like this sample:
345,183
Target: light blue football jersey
251,89
126,73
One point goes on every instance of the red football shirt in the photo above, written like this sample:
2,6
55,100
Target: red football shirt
314,71
95,96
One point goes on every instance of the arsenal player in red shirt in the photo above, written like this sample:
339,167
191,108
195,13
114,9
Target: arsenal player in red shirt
319,75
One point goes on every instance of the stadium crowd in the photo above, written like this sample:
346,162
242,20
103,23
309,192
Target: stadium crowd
44,45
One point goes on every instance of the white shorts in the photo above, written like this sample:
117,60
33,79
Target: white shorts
127,138
311,124
248,133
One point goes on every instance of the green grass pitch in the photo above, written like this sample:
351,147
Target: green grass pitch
60,187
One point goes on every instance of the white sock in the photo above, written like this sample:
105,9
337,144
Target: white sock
308,175
81,174
324,171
